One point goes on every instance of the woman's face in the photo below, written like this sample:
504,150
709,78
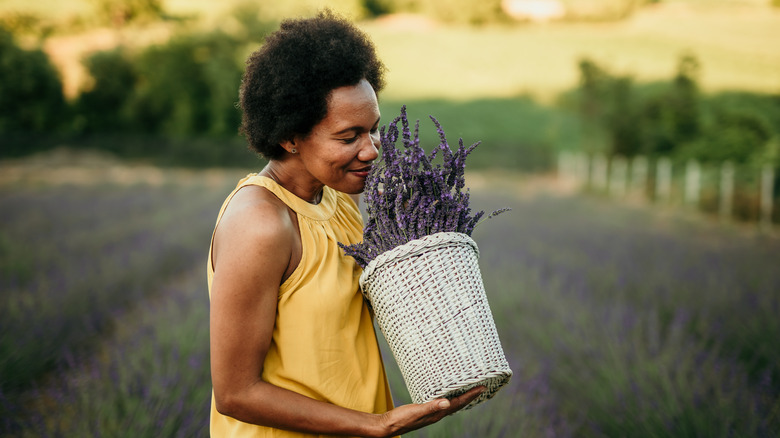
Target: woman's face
339,150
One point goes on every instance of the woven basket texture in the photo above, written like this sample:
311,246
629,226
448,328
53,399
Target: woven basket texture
430,304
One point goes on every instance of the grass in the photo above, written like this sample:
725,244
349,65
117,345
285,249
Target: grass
540,61
514,133
616,320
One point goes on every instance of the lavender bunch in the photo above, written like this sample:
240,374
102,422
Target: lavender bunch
408,196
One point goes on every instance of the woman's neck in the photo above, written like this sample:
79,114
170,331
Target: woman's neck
290,179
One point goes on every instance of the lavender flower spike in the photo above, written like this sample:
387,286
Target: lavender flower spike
408,197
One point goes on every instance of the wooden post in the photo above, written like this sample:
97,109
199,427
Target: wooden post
617,179
767,196
582,168
599,172
563,165
692,183
591,159
726,190
663,184
639,167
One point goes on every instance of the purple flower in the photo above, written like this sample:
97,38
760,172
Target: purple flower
408,197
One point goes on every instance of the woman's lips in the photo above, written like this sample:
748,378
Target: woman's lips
362,173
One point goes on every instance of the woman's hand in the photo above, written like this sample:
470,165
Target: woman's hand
411,417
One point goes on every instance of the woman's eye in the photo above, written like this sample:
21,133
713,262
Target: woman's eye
350,140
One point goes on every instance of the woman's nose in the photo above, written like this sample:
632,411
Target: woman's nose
371,149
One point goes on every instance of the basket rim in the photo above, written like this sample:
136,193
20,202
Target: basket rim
415,247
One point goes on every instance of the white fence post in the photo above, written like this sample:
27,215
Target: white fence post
767,195
572,168
726,190
692,183
586,170
639,167
663,184
599,174
620,177
563,166
581,160
617,179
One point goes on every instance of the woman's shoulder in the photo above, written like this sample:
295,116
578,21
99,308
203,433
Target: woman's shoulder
254,213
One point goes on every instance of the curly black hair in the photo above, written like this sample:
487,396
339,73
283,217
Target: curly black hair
287,82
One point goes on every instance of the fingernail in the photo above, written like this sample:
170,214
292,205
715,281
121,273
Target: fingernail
444,404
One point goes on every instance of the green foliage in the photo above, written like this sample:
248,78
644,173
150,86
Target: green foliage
515,133
675,119
671,117
25,23
609,100
734,135
31,96
375,8
103,107
254,25
188,86
121,12
446,11
464,11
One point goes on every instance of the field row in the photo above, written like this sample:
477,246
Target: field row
616,321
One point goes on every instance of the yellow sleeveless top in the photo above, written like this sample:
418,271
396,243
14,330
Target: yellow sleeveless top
323,345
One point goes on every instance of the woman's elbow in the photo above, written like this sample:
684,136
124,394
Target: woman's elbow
227,403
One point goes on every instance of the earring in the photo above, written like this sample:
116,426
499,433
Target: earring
293,151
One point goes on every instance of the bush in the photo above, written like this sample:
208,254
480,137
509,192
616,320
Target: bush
31,98
188,87
609,101
103,107
734,135
671,117
674,119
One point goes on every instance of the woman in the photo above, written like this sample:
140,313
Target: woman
293,350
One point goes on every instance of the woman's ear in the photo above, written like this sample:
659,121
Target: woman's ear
289,145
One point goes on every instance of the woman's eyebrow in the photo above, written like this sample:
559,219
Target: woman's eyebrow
355,128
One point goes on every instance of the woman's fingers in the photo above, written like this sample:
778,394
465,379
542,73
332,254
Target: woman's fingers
407,418
464,399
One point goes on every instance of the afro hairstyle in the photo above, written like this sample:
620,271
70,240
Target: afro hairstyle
288,80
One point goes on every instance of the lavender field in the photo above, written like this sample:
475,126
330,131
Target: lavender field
617,321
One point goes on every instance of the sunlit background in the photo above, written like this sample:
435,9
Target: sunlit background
635,285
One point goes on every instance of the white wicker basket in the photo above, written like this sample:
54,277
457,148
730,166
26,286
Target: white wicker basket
430,304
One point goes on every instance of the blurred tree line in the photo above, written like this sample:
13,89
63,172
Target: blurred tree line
675,119
175,101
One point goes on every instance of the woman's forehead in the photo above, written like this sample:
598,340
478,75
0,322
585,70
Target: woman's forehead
352,103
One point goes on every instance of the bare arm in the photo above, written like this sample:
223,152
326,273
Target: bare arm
250,262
